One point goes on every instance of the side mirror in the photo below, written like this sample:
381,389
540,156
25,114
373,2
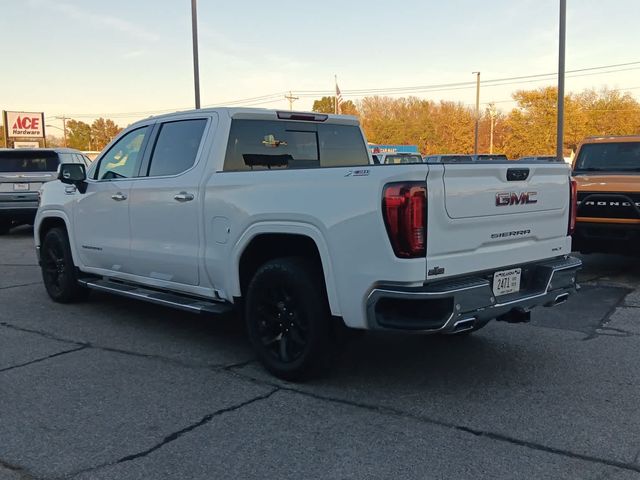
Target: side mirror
73,174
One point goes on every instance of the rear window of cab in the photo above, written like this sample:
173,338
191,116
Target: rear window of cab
273,145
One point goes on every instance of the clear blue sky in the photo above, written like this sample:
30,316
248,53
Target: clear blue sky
118,58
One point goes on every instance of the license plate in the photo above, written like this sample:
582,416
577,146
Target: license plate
21,186
506,281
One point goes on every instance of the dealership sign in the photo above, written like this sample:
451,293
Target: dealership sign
24,124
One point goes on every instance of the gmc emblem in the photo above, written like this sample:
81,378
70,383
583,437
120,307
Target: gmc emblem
511,198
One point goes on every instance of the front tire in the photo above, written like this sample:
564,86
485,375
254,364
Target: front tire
287,316
58,271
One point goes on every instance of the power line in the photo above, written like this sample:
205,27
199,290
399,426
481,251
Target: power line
276,96
243,101
461,85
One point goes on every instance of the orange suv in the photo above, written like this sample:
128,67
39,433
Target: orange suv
607,173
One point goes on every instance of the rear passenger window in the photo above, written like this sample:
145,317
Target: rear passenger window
267,145
176,147
342,146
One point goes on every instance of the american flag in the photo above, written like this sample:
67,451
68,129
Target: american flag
338,98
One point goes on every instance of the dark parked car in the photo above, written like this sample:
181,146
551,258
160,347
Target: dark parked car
539,158
465,158
398,158
22,173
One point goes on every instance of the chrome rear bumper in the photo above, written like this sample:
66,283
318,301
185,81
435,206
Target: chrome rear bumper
452,306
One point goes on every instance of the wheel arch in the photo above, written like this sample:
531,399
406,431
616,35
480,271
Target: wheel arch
51,219
263,242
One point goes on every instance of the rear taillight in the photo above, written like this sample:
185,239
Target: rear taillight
404,208
573,206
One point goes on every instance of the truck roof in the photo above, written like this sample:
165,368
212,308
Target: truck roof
47,149
612,139
261,114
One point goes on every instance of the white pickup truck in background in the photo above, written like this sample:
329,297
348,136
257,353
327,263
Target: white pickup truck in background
282,216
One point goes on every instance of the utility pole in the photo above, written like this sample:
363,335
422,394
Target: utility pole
561,49
492,114
5,129
64,130
196,67
475,143
291,99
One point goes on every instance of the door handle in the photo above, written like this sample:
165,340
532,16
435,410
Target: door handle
183,197
118,197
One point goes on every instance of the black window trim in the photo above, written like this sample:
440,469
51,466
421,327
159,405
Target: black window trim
143,148
145,165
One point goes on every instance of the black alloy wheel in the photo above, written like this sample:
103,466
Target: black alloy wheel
282,326
287,317
58,271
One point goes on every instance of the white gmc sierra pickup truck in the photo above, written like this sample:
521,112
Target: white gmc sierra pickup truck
283,216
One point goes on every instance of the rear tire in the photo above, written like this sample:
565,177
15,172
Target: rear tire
287,317
58,271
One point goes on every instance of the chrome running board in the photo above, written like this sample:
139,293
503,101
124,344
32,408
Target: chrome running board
175,300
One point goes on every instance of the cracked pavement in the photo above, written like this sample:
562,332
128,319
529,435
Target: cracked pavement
117,389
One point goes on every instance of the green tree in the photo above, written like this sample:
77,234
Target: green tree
78,135
532,125
53,141
327,105
102,132
609,112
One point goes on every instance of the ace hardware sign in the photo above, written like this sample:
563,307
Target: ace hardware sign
24,124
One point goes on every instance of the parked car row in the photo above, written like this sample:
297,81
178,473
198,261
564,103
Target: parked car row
452,241
396,158
22,174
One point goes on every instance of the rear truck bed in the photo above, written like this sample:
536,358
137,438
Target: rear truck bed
497,243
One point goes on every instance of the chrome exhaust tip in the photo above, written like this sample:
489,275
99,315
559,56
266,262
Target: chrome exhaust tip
464,325
560,299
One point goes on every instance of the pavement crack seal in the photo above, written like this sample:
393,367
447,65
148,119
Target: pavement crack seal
598,330
19,265
21,472
203,421
614,332
384,410
42,359
238,364
176,435
20,285
46,335
150,356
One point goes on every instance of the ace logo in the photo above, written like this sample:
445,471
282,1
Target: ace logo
25,124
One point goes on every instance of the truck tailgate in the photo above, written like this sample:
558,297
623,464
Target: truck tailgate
487,215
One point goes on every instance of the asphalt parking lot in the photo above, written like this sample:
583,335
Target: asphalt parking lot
117,389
